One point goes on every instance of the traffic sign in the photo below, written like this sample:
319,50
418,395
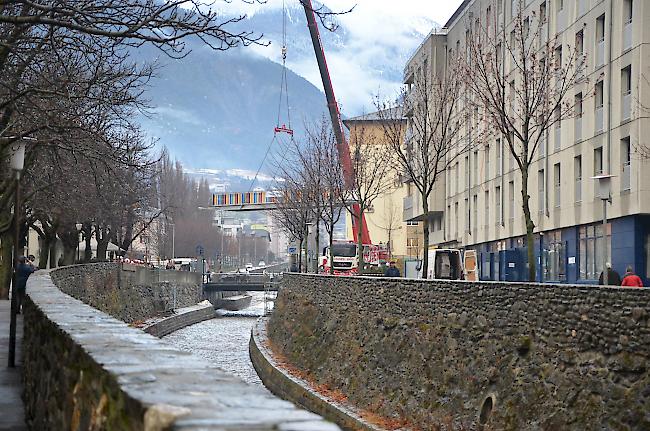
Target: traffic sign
292,249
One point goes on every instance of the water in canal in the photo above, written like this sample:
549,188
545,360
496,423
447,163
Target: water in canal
224,340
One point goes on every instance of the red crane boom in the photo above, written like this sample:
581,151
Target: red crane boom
335,116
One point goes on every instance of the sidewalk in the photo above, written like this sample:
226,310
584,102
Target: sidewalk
12,416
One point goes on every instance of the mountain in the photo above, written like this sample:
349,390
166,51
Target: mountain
217,110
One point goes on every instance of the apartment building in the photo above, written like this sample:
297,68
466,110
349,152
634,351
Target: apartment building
384,219
478,204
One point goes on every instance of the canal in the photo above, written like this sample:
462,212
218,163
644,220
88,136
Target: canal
224,340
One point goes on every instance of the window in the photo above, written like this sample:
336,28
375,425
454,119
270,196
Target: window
554,257
456,220
599,106
467,179
598,161
627,24
475,213
487,162
487,212
577,172
542,12
558,57
540,190
475,171
526,28
511,209
580,53
626,96
600,41
558,129
468,225
499,7
499,149
578,117
560,5
627,11
557,184
497,204
595,248
457,171
626,172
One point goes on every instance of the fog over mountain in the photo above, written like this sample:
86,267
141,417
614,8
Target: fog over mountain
217,110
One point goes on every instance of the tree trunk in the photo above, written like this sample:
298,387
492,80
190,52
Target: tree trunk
87,230
53,258
331,251
530,226
425,237
6,252
70,240
103,238
360,240
43,252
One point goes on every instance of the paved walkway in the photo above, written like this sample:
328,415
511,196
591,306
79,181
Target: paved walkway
12,416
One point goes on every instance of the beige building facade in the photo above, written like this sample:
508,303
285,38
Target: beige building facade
478,205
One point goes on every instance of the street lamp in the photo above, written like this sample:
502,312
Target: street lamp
17,164
603,193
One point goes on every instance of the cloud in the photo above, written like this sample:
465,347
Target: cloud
377,30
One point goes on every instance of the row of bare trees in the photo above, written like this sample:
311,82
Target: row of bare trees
314,190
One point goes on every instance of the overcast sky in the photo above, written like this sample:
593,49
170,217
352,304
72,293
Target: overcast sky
373,26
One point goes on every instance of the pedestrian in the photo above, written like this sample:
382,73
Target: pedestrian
392,270
613,279
23,271
631,279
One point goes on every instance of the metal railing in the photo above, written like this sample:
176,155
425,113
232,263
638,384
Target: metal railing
626,178
626,106
599,119
627,35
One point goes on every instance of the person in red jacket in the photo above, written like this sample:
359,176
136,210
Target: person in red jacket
631,279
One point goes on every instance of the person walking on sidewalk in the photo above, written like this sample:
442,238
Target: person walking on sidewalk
613,279
23,271
631,279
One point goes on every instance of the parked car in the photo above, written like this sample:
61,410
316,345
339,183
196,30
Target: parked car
249,266
262,263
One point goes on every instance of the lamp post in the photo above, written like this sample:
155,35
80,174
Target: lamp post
603,192
17,164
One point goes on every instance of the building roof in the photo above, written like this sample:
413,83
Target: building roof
387,114
457,13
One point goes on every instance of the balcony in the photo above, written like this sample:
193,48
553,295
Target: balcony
626,178
627,36
626,106
599,120
600,53
578,190
578,129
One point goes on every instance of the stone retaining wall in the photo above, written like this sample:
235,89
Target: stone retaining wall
180,319
290,388
463,354
84,369
129,292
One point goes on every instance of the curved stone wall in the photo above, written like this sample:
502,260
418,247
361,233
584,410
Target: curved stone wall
84,369
465,355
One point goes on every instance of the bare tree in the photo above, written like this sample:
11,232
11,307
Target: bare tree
325,164
423,128
518,78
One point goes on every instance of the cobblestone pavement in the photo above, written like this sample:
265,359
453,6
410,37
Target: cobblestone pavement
12,413
224,340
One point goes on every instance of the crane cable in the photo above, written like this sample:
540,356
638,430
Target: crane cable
283,89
